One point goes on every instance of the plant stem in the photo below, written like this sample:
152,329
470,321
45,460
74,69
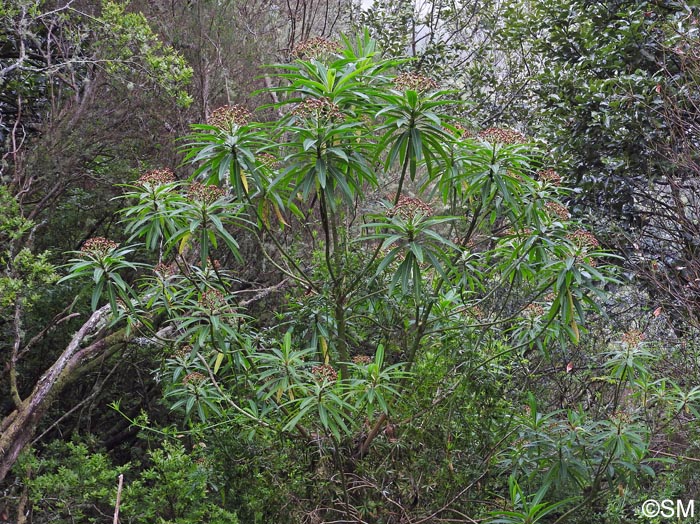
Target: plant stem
119,499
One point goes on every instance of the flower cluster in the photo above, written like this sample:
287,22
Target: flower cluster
549,175
98,246
212,299
583,239
225,117
510,232
195,378
414,82
165,270
156,177
477,313
585,259
205,193
533,311
315,48
502,136
318,108
621,417
268,160
633,338
557,209
183,352
514,175
325,372
408,207
361,360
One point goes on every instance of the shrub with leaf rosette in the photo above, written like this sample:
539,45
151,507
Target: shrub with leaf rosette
472,263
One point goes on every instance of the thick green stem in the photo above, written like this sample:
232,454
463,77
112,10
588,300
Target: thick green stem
330,230
406,162
342,340
360,278
325,222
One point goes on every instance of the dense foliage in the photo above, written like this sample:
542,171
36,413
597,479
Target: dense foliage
353,298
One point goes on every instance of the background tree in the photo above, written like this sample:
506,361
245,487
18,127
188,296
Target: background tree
613,103
72,79
463,44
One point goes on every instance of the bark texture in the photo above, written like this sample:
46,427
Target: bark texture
19,427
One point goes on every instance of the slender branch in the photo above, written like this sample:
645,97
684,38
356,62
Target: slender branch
96,391
227,398
63,316
14,391
673,455
262,293
119,499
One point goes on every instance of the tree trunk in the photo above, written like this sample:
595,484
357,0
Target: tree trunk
19,427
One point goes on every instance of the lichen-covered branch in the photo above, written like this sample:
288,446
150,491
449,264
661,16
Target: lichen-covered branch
19,427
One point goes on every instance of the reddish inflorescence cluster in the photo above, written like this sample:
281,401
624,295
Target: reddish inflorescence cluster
583,239
414,82
633,337
318,108
325,372
533,311
225,117
510,232
212,299
165,270
183,352
204,192
557,209
156,177
361,359
501,135
98,246
459,130
195,378
268,160
408,207
476,312
549,175
315,48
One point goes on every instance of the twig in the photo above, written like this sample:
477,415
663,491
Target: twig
96,391
63,316
119,499
23,499
228,399
262,293
433,515
14,390
672,455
